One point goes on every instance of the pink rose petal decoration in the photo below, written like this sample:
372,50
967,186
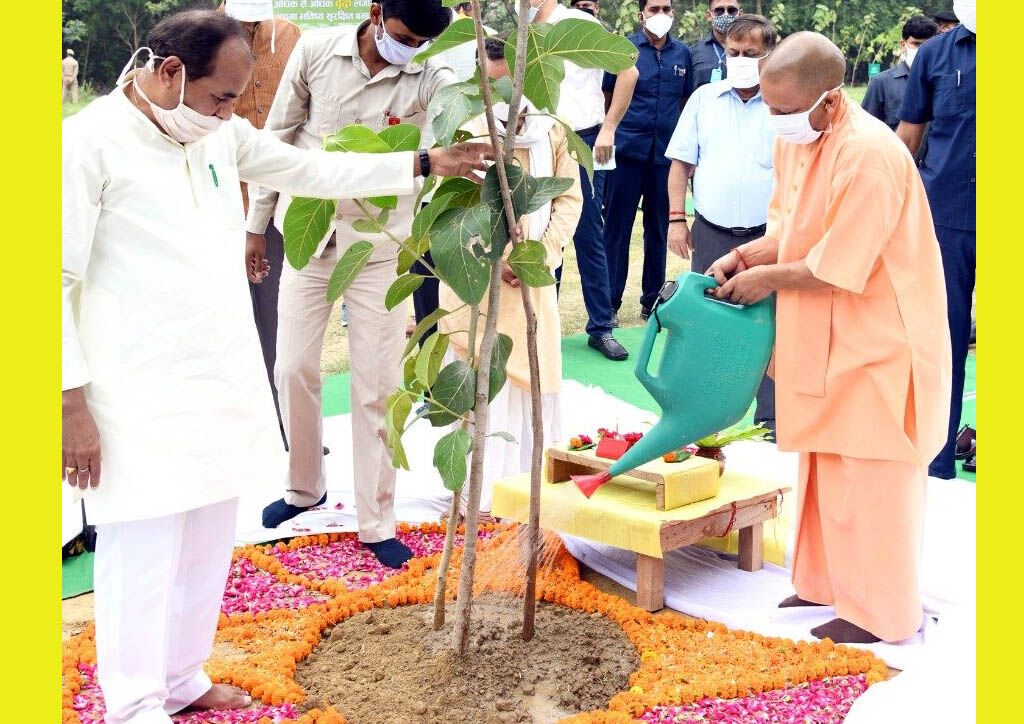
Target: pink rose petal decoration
819,702
251,590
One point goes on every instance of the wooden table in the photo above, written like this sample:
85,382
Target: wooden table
747,516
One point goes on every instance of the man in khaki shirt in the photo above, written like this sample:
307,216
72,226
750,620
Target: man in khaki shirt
335,78
69,77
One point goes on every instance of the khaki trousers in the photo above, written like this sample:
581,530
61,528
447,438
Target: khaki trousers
376,339
69,85
858,541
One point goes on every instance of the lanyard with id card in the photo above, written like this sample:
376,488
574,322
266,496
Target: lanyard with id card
716,74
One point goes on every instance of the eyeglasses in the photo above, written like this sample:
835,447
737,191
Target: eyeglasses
723,9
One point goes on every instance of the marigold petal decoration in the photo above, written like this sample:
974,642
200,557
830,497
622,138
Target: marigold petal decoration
282,597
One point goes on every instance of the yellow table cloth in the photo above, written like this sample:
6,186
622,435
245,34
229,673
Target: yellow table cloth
622,512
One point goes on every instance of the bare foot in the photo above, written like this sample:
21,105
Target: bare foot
794,601
223,696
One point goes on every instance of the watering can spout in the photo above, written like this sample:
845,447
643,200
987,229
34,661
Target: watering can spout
589,483
714,357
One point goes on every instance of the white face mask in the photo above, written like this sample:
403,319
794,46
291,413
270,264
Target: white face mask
390,49
658,25
742,72
531,14
966,13
249,11
909,56
796,127
183,124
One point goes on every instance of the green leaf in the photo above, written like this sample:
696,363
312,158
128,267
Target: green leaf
306,223
397,409
348,268
450,458
384,202
507,437
406,258
490,193
579,151
424,324
589,45
544,74
401,288
454,261
459,32
451,107
527,261
461,136
542,190
367,226
401,137
356,139
428,184
503,87
497,374
494,233
409,374
466,192
455,387
426,216
428,361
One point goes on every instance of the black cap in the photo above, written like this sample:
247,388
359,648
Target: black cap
945,16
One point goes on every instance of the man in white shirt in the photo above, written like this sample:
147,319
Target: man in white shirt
334,78
161,373
462,58
581,105
724,140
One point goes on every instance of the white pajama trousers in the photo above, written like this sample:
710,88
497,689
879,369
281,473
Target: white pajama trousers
159,585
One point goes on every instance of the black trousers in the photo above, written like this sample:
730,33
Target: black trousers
709,244
424,299
264,311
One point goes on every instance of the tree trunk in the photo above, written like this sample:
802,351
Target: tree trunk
464,605
446,557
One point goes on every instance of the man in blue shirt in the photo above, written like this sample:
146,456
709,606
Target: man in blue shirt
724,139
941,92
641,169
708,53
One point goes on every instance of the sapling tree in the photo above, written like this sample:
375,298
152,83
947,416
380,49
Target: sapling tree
470,230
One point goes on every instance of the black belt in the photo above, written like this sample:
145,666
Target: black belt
736,230
588,131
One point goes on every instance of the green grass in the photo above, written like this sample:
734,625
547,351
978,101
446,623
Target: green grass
85,97
857,92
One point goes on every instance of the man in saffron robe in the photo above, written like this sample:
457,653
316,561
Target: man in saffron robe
862,354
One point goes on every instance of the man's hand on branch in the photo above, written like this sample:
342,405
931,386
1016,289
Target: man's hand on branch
256,266
604,145
680,242
80,442
461,159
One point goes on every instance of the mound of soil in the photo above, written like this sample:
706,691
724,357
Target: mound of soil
389,666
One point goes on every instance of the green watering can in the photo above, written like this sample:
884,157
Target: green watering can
714,359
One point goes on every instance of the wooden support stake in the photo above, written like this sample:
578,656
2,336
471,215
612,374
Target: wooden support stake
650,582
752,547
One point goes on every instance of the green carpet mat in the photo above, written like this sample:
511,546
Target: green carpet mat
76,576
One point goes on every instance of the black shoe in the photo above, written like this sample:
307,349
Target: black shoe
645,314
966,440
615,320
971,463
327,450
609,347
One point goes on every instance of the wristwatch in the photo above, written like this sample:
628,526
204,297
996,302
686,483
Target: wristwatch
424,163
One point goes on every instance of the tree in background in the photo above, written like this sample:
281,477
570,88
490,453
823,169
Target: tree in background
105,33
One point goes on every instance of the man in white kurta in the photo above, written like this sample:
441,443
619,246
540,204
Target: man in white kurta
162,376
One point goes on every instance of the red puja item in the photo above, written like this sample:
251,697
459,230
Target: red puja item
612,448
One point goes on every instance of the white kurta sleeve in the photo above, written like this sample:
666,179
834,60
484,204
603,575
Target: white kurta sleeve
264,159
81,189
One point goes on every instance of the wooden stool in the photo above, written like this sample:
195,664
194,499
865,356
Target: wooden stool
746,516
